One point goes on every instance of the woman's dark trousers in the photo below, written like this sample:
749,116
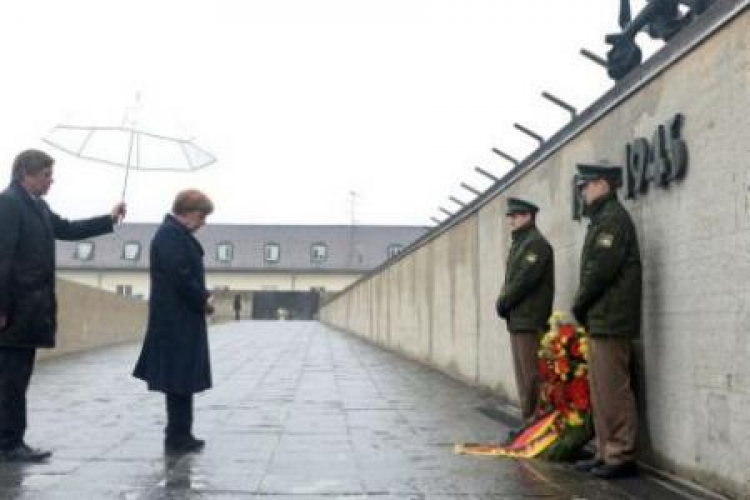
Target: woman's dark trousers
179,418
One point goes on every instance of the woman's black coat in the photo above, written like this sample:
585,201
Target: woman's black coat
175,358
28,229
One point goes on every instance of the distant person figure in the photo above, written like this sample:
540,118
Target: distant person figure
28,229
525,301
175,355
237,306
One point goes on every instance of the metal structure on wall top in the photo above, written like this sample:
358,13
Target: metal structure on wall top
661,19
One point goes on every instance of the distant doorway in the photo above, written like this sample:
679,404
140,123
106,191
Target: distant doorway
286,305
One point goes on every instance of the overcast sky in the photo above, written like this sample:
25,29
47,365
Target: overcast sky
301,101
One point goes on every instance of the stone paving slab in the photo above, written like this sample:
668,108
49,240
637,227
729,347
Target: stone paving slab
298,411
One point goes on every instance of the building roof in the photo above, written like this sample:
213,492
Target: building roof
355,248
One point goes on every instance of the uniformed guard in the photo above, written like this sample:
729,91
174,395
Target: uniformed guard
525,301
608,303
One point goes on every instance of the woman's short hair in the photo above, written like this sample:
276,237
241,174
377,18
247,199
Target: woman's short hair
192,200
31,162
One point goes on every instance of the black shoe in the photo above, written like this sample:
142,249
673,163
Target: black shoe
611,471
24,453
184,445
588,465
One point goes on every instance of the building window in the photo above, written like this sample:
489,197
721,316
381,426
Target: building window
131,250
272,252
224,252
394,249
84,250
125,290
318,253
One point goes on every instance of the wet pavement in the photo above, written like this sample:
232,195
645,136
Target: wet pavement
298,411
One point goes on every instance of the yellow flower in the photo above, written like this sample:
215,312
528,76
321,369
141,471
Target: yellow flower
574,419
556,318
584,348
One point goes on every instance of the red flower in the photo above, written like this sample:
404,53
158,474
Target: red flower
544,370
562,366
559,352
575,349
577,392
557,397
567,332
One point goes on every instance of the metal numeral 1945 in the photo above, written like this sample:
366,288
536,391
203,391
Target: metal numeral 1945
661,162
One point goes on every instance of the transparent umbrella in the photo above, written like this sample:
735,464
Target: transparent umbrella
130,148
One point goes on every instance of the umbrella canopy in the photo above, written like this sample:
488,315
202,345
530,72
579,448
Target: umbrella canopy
130,148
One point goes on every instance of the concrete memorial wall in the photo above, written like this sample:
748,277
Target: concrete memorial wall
435,303
89,318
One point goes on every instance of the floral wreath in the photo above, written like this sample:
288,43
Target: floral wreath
563,422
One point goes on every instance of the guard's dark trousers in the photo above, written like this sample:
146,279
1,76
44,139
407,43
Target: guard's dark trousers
525,346
612,399
179,417
16,366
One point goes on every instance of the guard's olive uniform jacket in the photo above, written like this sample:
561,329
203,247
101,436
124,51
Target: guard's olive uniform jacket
608,301
529,289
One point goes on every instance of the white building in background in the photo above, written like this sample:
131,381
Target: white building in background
241,257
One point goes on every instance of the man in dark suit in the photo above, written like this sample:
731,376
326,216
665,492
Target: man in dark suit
28,229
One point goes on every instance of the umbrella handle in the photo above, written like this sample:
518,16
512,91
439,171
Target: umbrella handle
127,165
125,183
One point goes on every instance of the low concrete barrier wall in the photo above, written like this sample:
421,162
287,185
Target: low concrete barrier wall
435,302
89,318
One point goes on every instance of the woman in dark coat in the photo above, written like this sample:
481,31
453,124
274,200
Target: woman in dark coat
175,358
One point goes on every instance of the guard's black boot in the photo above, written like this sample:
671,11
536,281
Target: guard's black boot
612,471
588,464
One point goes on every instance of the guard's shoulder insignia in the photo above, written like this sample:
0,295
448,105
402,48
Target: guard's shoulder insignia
605,240
531,257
